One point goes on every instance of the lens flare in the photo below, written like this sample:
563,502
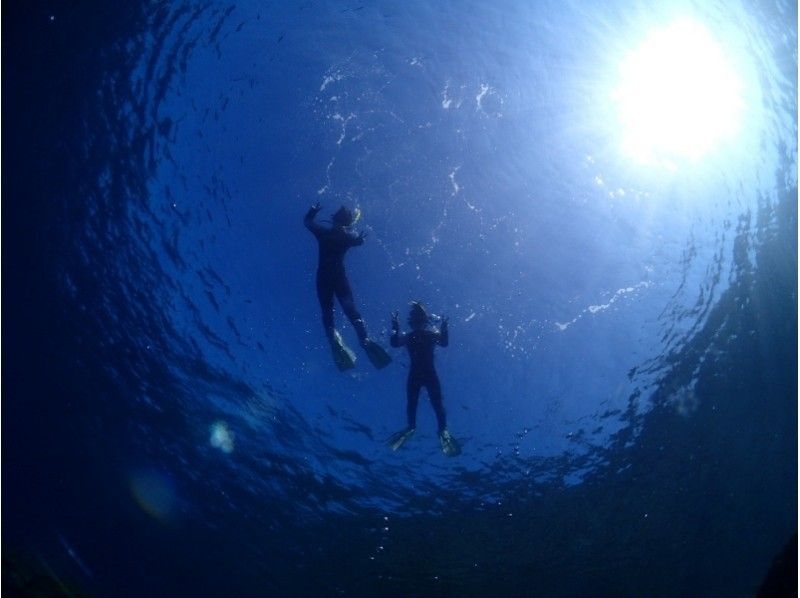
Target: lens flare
221,437
154,493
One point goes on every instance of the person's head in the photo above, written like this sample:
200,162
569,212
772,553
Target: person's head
346,217
418,318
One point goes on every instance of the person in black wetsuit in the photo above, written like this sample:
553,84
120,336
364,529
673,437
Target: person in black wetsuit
334,241
420,343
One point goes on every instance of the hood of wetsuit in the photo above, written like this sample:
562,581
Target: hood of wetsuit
418,317
346,217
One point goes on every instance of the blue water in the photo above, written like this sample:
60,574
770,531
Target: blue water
622,371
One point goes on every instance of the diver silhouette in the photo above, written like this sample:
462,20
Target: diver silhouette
334,241
420,343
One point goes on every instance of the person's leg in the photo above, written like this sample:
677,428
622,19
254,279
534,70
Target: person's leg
412,398
325,292
345,295
435,395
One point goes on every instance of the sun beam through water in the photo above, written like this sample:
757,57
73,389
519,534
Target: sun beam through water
678,95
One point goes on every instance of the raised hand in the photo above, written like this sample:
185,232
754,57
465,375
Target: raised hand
311,214
395,320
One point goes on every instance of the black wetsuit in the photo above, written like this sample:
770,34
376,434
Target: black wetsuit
331,277
420,345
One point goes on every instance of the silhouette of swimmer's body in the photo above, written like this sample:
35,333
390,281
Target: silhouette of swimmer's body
421,342
334,241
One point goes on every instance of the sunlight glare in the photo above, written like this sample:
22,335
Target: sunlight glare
678,95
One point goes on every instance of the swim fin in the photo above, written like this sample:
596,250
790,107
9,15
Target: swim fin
398,439
450,445
376,354
343,356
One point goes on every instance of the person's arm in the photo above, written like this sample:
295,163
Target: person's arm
308,220
444,333
397,339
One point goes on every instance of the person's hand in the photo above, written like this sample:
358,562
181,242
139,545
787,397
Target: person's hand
445,320
395,320
312,211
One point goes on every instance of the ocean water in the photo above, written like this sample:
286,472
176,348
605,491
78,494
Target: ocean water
621,288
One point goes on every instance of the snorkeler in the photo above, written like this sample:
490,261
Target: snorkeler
420,343
332,281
